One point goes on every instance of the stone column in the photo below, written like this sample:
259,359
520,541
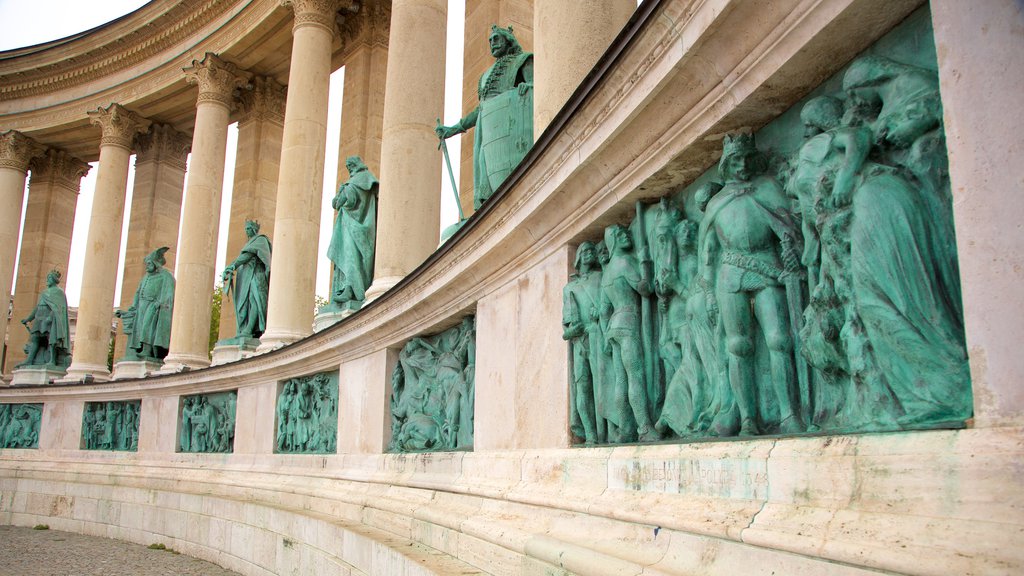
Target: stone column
96,303
304,143
569,37
257,167
980,51
156,207
190,320
409,212
16,150
362,109
476,59
46,239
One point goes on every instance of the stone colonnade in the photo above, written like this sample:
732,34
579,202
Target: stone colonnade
393,92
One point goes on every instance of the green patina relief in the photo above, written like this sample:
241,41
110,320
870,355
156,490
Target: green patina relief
19,425
808,284
111,425
307,415
432,392
207,422
49,343
355,237
504,117
147,323
248,284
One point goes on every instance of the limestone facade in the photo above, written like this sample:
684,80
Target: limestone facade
648,119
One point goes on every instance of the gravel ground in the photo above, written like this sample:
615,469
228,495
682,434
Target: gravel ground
28,552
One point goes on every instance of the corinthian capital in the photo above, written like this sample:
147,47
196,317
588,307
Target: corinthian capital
163,144
119,125
264,101
16,150
216,78
319,12
60,168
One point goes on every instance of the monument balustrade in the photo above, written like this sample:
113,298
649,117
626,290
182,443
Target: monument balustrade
641,355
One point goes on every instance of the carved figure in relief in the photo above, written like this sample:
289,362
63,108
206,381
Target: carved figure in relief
746,239
49,342
188,410
19,425
307,414
147,323
355,235
581,327
248,283
623,284
504,117
111,425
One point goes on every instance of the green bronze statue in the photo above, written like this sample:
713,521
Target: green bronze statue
49,343
355,236
307,415
582,328
248,282
147,323
503,118
111,425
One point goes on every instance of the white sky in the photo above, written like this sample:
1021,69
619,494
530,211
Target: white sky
29,22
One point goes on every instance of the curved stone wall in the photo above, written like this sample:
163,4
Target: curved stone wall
648,120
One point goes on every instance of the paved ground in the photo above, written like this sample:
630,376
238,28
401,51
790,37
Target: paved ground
28,552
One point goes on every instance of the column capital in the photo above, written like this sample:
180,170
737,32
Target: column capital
163,144
264,100
17,150
119,125
369,25
321,13
60,168
216,78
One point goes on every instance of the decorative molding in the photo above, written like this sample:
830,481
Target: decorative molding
217,79
144,41
119,125
17,150
320,13
59,168
163,144
263,100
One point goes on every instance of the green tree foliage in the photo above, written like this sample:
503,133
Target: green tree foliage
217,299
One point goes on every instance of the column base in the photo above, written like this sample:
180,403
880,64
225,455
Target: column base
329,318
36,376
273,339
233,350
82,373
380,286
134,369
175,363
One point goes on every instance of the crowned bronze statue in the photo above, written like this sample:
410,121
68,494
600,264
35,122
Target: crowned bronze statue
248,283
504,117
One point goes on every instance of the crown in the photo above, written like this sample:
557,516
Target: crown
738,144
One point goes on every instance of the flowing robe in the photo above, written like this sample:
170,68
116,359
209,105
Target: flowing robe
252,285
355,234
153,302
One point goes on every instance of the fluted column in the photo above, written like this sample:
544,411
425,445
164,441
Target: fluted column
197,252
46,239
16,150
569,37
160,158
297,221
99,275
257,167
476,59
409,212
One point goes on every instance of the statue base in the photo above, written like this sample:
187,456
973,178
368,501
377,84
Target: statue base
129,369
330,317
450,231
233,350
37,375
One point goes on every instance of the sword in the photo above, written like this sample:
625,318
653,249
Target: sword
794,284
448,162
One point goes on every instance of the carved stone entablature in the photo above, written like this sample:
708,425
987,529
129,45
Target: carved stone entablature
217,79
60,168
264,100
119,125
367,24
320,13
16,150
163,144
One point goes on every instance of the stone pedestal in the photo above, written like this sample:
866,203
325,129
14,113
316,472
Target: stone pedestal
329,318
36,375
233,350
132,369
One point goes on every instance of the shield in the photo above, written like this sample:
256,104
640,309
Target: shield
506,133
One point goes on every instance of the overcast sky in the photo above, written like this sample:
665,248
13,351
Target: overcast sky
29,22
